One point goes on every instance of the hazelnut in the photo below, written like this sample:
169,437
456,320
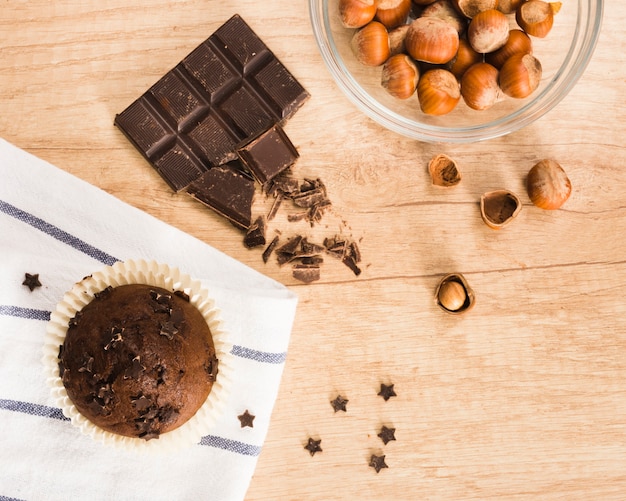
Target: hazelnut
548,185
400,76
370,44
498,208
465,57
479,86
396,39
469,8
454,295
488,31
393,13
438,92
443,9
518,43
444,171
520,75
509,6
536,17
356,13
432,40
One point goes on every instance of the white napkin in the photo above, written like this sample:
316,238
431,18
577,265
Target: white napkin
63,229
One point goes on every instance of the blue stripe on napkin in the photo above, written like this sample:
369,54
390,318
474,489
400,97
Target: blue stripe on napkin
57,233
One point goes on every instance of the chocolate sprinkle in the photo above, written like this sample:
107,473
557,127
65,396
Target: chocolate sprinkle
135,368
378,462
168,329
339,403
31,281
387,391
246,419
387,434
313,446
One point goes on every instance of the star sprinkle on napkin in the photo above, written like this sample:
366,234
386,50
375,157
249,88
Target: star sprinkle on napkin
57,229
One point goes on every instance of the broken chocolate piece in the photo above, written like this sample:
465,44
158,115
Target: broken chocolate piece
226,92
228,191
378,462
306,273
339,403
387,434
387,391
313,446
31,281
255,236
269,154
246,419
289,250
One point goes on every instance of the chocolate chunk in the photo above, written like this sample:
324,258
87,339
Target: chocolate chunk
227,91
387,391
103,293
74,320
246,419
183,295
339,403
313,446
228,191
306,273
105,393
31,281
116,337
378,462
141,403
255,236
87,363
212,367
289,250
387,434
269,154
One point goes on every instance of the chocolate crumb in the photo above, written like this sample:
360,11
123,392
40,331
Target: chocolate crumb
387,434
378,462
339,403
31,281
246,419
387,391
255,236
313,446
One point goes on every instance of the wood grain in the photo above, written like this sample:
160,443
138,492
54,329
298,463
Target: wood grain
524,398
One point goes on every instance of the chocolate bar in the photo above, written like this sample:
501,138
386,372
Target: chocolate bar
225,93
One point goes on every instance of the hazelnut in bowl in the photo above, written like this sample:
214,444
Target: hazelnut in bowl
456,71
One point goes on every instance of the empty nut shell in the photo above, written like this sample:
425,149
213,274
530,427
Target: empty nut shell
454,295
443,171
498,208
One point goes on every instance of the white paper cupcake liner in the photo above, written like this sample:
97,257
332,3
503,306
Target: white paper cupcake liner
158,275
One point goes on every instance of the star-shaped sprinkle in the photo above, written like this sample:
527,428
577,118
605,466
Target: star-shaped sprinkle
339,404
387,391
378,462
313,446
246,419
387,434
31,281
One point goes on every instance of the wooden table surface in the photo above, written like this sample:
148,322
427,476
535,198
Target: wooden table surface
522,398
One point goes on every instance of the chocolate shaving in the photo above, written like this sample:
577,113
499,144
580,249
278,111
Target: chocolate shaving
270,248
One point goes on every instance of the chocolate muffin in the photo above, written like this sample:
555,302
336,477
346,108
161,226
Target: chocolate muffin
138,360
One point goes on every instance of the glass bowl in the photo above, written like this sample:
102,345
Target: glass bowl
564,55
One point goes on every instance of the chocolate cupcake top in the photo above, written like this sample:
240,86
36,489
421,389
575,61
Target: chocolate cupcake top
138,360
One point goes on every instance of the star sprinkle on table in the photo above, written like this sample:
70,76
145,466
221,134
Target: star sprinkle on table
31,281
387,391
387,434
246,419
339,404
378,462
313,446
